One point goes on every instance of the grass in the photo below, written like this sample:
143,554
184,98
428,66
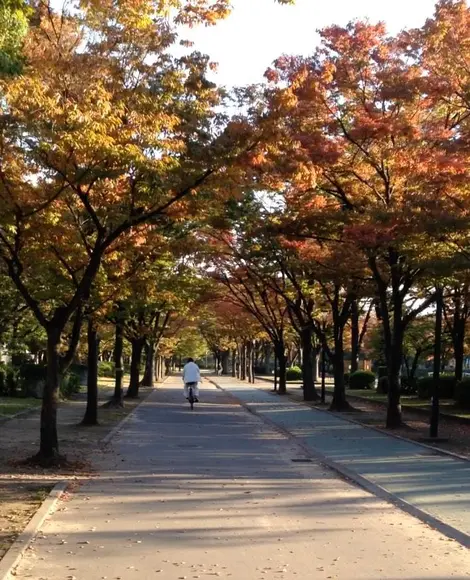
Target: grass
41,494
11,405
107,383
447,406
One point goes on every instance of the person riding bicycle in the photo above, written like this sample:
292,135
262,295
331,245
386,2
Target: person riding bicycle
191,376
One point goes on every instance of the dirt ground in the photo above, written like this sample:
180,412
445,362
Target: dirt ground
22,489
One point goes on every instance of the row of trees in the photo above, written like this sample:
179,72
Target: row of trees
359,193
128,194
109,144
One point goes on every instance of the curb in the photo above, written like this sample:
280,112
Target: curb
24,413
127,418
361,481
16,551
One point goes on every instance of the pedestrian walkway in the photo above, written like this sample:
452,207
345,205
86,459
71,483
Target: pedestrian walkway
435,484
215,492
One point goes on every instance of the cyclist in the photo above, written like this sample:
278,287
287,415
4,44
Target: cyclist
191,375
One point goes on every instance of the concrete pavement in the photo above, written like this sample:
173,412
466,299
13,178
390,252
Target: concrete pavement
437,484
216,493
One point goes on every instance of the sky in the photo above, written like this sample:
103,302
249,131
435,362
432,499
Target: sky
258,31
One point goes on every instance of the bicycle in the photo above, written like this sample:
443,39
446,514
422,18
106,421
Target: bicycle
191,397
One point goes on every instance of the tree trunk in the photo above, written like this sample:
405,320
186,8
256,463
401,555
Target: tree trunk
459,355
282,361
393,330
249,361
315,357
158,367
117,398
434,422
310,393
276,376
137,347
148,379
217,364
339,402
414,364
458,339
394,414
243,362
49,444
91,412
234,363
225,360
354,336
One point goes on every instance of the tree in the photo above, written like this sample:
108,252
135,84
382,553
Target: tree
13,28
456,315
248,288
354,137
361,311
104,132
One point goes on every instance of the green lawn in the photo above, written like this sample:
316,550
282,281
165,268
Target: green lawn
11,405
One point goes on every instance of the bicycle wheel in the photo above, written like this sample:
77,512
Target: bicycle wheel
191,398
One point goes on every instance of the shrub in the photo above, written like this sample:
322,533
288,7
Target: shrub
408,386
3,391
294,374
462,393
106,369
361,380
81,371
69,385
382,386
33,379
12,382
382,372
446,387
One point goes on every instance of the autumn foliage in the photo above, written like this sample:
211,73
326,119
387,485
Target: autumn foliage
128,185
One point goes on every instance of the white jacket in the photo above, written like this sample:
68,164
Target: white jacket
191,373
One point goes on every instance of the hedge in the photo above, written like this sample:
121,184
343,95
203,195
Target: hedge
462,393
409,386
260,370
29,380
33,379
294,374
446,387
361,380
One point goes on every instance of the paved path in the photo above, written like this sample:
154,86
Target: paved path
214,493
434,483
